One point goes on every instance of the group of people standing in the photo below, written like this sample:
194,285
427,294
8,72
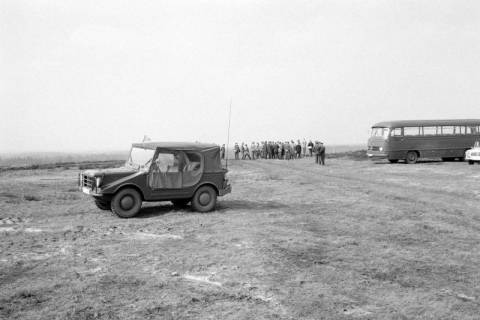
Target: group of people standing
287,150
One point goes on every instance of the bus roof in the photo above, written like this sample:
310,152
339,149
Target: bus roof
419,123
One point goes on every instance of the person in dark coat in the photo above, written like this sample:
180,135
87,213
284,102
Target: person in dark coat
321,151
298,149
237,151
271,150
222,152
316,152
246,153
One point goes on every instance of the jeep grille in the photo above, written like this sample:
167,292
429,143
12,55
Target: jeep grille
88,182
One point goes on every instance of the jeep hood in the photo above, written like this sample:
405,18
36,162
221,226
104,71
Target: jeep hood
113,176
111,172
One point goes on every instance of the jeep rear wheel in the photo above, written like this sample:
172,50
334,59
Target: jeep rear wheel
102,204
204,199
126,203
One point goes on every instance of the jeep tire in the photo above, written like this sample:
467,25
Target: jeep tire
102,204
204,199
126,203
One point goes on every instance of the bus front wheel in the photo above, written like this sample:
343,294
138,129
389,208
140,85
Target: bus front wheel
412,157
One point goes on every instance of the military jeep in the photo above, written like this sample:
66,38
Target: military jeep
159,171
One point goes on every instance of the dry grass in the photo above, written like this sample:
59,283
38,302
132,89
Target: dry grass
81,165
351,240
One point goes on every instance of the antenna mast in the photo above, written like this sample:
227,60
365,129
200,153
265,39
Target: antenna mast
228,134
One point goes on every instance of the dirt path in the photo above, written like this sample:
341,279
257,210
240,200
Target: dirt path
351,240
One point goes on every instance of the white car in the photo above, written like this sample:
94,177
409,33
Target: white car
473,155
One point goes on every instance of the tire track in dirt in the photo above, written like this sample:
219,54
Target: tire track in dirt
409,270
374,184
431,198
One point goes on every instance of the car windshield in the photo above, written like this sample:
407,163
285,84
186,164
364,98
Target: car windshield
380,132
140,158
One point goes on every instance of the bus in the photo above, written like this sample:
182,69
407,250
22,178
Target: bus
411,140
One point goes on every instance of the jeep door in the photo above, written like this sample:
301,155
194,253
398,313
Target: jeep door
167,174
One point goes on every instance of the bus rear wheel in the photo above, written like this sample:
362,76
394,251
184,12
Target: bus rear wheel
412,157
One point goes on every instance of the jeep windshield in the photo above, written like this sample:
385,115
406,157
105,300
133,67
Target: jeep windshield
140,158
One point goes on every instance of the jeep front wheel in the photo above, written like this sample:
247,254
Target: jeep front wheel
126,203
204,199
102,204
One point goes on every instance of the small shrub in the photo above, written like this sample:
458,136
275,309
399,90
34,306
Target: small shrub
30,197
68,196
8,195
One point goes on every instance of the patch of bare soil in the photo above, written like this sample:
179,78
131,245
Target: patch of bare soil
350,240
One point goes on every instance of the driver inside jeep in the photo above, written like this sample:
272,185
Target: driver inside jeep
166,171
179,164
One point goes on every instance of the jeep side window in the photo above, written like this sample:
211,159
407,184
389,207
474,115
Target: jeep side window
193,170
194,162
164,161
166,172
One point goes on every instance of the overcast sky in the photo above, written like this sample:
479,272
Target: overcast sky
93,75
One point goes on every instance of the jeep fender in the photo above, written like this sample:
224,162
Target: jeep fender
129,185
207,183
120,183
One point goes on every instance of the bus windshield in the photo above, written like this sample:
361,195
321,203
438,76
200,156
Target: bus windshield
380,132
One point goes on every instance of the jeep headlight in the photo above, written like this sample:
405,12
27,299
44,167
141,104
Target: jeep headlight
381,148
98,181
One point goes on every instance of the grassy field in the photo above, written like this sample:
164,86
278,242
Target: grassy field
351,240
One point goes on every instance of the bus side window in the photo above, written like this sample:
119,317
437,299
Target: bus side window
470,130
396,132
429,131
446,130
411,131
458,130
